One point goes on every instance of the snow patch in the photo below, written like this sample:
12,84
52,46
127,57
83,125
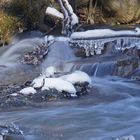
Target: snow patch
77,77
38,82
59,84
54,12
49,71
14,94
104,33
28,91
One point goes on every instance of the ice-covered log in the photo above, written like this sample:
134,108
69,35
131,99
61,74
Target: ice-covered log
94,42
100,33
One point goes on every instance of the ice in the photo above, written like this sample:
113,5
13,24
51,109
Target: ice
59,84
28,91
96,46
76,77
74,17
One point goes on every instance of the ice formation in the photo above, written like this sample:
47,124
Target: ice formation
74,18
96,46
94,41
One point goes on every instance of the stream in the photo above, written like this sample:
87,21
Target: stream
111,109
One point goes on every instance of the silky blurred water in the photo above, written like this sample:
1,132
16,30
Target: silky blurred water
112,109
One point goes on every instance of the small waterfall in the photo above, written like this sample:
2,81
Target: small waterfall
105,69
59,54
96,69
20,48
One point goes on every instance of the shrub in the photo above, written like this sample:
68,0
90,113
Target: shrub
8,26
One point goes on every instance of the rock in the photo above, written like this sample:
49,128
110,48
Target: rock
11,132
36,56
135,75
126,67
124,11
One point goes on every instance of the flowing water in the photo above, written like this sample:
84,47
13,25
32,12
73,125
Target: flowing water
111,109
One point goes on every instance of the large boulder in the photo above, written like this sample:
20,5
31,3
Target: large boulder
124,11
118,11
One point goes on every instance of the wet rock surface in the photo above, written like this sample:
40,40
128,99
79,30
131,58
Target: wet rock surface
35,57
11,132
11,98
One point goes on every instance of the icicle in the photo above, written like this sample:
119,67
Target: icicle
95,47
92,50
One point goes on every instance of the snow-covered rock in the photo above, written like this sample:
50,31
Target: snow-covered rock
38,82
28,91
54,12
77,77
60,85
